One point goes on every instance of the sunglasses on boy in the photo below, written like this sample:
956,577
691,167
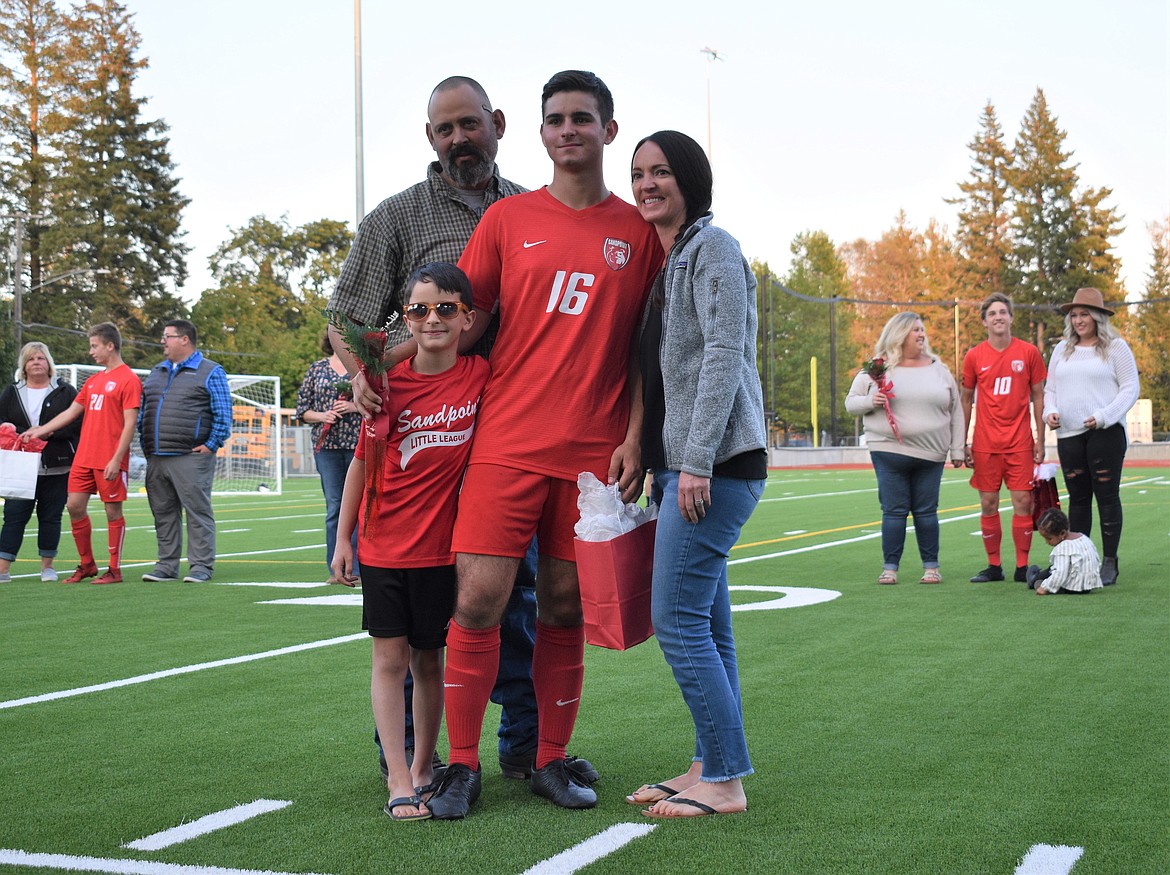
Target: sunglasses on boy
445,309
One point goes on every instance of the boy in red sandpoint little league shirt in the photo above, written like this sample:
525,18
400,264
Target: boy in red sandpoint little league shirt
1004,375
109,401
404,480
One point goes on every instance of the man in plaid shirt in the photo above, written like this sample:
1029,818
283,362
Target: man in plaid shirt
432,221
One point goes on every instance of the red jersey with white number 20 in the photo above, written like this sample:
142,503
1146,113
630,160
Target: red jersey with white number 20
105,397
570,286
1003,388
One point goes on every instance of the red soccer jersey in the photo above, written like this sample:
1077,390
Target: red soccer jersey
432,417
1003,389
105,397
570,286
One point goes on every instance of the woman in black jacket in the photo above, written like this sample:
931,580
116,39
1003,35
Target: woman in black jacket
35,399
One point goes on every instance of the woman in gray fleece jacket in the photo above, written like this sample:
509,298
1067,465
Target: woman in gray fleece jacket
704,440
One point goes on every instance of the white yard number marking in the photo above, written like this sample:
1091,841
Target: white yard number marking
1003,386
572,299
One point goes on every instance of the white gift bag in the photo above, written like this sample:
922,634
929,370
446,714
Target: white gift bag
18,474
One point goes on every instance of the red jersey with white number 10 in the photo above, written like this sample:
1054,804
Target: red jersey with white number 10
570,286
105,397
1003,384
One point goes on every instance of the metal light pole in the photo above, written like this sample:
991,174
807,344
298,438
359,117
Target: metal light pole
357,79
712,55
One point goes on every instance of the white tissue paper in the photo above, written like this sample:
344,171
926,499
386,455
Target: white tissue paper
604,515
1046,471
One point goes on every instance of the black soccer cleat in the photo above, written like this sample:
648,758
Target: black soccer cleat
560,785
988,574
458,789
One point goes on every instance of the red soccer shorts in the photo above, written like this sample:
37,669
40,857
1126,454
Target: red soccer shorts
93,480
1013,470
501,508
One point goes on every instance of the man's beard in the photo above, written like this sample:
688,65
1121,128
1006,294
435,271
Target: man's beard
470,175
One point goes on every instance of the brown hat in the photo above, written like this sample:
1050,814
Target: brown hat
1090,298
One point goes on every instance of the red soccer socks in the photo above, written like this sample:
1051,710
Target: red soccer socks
558,670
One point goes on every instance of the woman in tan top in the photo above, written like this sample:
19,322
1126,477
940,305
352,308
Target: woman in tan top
924,401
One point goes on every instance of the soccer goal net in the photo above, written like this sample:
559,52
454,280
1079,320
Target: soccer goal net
251,460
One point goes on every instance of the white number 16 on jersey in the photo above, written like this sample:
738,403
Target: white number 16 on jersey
570,297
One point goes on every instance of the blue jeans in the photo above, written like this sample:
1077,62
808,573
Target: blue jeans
52,490
691,610
333,465
513,691
908,486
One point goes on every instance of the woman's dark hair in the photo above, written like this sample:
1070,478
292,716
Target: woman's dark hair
326,343
691,170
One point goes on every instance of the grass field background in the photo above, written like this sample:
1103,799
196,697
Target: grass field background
904,729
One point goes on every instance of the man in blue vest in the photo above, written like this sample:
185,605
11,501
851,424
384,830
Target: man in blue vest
185,417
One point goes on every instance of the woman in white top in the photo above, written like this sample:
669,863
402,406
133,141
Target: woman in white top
1092,384
909,465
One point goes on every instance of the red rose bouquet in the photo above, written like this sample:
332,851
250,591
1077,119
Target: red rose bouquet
876,369
368,346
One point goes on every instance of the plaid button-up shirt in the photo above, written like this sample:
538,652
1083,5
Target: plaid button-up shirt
426,222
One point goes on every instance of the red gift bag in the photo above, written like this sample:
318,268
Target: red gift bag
1044,496
615,581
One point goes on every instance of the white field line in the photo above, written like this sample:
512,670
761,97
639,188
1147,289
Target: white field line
944,483
208,823
1049,860
186,669
591,850
70,863
839,543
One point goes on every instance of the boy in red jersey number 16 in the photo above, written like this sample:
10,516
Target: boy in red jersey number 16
1004,375
401,493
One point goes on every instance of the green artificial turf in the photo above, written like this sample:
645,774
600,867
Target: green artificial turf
894,729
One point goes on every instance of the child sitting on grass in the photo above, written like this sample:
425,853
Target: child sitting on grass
401,491
1075,568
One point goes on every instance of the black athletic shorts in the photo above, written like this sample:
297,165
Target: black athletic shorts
414,603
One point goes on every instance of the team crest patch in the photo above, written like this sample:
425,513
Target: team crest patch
617,253
1017,366
111,385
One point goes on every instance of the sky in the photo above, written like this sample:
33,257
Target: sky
823,116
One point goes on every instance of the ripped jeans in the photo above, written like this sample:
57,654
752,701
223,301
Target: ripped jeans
1091,463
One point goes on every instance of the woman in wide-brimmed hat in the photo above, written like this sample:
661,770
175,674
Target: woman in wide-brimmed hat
1092,384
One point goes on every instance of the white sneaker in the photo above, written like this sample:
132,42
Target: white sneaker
48,575
5,577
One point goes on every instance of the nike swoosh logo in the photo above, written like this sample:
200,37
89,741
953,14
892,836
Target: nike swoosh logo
561,704
528,245
985,368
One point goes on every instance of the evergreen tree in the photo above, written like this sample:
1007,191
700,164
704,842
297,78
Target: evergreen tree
985,210
31,53
1149,329
118,206
1061,238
